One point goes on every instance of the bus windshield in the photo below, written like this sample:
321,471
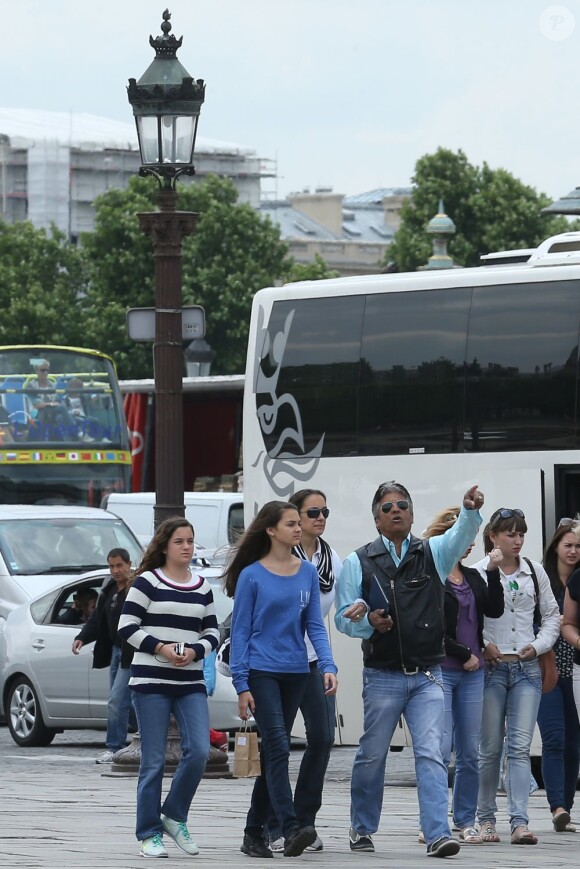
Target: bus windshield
63,436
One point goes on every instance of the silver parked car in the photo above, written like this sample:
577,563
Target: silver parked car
45,689
43,547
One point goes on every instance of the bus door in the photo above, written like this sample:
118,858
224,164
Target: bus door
566,492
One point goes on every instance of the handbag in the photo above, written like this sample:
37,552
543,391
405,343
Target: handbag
547,660
549,670
246,753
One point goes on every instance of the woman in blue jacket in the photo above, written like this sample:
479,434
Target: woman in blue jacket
276,601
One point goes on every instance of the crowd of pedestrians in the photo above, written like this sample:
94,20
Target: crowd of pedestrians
455,649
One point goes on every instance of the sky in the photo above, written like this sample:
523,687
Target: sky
345,94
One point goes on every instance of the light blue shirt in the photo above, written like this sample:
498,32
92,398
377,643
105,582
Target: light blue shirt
446,550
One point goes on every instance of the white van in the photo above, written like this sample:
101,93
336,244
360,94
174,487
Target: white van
217,517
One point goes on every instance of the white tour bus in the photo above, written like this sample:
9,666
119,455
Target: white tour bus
438,379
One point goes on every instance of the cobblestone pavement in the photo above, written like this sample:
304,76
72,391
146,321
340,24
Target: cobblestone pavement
59,810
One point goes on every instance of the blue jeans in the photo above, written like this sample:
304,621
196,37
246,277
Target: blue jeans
388,694
119,705
558,723
277,697
153,711
319,712
463,706
511,698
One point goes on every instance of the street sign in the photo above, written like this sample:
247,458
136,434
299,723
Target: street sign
141,322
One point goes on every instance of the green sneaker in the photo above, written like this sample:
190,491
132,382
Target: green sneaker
153,847
180,835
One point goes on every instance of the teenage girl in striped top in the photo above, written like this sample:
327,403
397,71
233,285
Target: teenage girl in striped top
167,605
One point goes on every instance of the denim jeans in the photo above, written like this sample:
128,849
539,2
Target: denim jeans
319,713
558,723
277,697
192,716
388,694
511,698
463,706
119,705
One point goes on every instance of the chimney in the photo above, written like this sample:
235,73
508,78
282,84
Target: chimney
323,205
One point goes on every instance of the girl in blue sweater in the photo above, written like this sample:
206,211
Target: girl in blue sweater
276,601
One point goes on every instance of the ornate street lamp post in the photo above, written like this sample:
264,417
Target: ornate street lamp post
166,103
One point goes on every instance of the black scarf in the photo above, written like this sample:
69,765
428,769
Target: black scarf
325,574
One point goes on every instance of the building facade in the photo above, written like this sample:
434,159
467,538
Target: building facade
53,165
351,233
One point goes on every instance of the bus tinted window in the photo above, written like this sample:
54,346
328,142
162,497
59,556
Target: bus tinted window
307,388
411,393
468,369
522,355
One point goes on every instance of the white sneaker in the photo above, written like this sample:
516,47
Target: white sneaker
316,845
180,835
276,845
153,847
106,757
421,838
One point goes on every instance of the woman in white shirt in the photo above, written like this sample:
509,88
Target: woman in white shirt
318,708
513,681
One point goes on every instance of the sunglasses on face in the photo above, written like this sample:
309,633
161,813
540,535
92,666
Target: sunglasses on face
506,513
388,506
314,512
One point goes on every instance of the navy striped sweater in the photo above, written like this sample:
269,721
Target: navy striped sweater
158,610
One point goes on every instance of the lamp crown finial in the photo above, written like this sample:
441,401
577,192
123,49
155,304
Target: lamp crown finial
166,46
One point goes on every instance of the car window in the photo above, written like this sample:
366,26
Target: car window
61,605
58,545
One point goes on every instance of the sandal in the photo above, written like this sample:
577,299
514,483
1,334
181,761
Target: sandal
488,833
470,836
522,836
561,820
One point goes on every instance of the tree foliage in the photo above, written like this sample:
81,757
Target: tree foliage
317,270
41,279
492,210
233,252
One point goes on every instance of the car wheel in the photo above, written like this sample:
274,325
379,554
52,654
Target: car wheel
24,716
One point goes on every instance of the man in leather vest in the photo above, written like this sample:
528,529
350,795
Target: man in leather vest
390,595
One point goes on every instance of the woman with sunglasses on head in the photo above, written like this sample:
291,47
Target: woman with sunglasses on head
318,708
468,598
276,602
513,680
557,717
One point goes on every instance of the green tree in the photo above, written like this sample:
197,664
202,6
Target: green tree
492,210
233,253
41,280
317,270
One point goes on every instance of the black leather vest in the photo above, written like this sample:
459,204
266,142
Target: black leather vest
415,595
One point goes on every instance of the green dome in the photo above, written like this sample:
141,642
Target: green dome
441,224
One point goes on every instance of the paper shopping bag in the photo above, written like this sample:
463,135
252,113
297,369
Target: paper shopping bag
246,754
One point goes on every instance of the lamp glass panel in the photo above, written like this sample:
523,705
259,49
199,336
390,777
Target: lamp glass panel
148,138
177,133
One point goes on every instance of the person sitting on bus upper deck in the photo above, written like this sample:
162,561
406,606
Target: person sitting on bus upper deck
513,680
468,598
390,595
40,385
48,411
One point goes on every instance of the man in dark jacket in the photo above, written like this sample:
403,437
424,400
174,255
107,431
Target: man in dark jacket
101,628
390,595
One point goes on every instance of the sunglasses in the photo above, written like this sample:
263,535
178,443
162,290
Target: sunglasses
388,506
506,513
44,369
314,512
565,522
